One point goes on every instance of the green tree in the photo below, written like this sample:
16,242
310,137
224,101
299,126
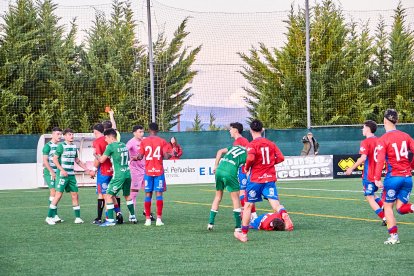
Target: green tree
196,125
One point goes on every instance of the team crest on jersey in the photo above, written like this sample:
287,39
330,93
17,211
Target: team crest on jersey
244,181
252,193
391,193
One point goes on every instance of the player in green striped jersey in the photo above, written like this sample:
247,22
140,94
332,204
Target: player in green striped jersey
121,180
226,177
49,171
65,156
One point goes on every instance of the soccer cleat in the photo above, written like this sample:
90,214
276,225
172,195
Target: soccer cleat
147,222
392,240
50,221
133,219
384,222
108,223
78,220
119,218
159,222
57,219
97,221
151,216
210,227
288,222
240,236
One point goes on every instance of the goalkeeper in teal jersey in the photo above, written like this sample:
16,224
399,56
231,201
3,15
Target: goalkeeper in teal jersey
226,177
121,180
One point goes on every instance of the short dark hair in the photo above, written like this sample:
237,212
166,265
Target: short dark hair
67,130
391,115
99,127
135,128
110,132
56,129
371,124
278,224
107,124
153,126
238,126
256,125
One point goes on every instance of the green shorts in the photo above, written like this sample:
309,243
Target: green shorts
119,183
48,179
226,180
67,184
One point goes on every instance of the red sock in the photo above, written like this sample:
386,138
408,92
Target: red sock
245,229
147,207
393,230
405,209
242,201
379,202
281,211
381,214
160,205
254,208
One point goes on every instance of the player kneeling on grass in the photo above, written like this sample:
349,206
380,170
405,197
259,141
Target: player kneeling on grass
65,156
121,180
268,222
226,177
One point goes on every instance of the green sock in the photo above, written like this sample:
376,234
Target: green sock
237,217
213,214
77,211
51,213
130,205
110,211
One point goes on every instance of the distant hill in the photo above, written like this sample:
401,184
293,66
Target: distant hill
224,116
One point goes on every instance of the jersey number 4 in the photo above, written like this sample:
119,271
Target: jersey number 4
403,152
151,155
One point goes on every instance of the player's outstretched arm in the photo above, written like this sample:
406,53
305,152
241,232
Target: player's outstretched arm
112,118
360,160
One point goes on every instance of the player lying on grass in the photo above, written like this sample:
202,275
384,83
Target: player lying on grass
118,152
226,177
64,158
50,169
393,149
268,222
367,151
262,156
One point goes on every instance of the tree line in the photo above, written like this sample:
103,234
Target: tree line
48,78
355,74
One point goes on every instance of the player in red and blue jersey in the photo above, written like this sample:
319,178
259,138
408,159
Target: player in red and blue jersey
154,149
262,157
367,149
393,148
268,222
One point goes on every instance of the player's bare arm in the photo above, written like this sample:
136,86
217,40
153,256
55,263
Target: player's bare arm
60,168
82,165
219,154
360,160
112,118
102,158
48,167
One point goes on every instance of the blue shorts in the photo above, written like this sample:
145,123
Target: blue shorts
255,191
154,183
102,182
397,187
369,187
242,179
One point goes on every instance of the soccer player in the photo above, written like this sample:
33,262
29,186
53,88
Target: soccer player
262,156
121,179
107,125
393,148
154,149
136,166
226,177
268,222
236,130
49,171
65,156
102,171
367,150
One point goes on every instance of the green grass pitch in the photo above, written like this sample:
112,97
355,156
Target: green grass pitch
335,233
